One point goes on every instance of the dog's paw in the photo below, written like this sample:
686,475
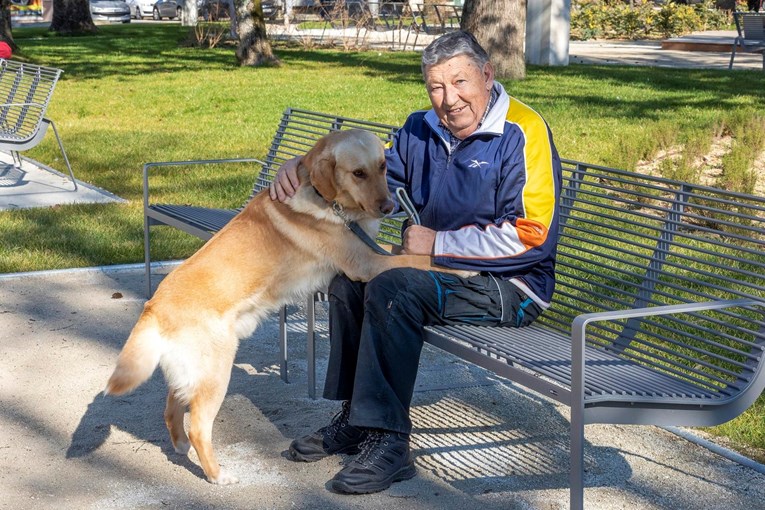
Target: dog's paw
224,478
182,447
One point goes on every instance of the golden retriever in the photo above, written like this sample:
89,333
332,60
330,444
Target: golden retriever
270,254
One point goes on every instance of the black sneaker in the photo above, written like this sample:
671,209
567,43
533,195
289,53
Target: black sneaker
384,458
337,437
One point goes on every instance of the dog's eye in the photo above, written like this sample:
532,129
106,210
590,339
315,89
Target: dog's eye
382,166
359,173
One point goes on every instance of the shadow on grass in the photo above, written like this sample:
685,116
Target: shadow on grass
130,50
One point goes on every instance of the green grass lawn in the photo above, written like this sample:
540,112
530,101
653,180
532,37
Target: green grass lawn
135,94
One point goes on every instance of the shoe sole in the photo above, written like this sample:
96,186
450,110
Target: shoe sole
296,456
405,473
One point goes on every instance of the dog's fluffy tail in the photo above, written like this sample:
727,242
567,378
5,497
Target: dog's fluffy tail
138,359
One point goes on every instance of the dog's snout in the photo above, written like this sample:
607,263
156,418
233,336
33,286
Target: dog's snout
387,206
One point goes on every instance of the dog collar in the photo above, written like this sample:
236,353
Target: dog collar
356,229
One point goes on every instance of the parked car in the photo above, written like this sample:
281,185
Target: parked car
112,11
167,9
141,8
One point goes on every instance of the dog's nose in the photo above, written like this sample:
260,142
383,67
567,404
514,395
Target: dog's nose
386,207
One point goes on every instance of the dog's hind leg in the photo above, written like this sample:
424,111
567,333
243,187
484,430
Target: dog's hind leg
204,407
174,411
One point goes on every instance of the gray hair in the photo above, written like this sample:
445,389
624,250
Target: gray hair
451,45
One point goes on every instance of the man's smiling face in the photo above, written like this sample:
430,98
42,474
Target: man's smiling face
459,91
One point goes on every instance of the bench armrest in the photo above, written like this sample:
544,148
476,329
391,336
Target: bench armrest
579,326
148,166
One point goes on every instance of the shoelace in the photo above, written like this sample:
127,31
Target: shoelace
370,444
340,420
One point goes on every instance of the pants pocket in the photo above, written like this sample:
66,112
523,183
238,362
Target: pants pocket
474,299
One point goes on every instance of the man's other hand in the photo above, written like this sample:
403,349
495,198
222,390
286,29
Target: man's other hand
286,181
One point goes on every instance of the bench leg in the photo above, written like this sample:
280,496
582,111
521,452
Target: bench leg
63,153
16,159
147,255
576,475
283,343
311,346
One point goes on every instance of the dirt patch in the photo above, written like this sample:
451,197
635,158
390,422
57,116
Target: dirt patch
709,165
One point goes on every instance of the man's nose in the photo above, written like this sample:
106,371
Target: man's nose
450,96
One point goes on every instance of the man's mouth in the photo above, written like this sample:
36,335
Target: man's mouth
455,111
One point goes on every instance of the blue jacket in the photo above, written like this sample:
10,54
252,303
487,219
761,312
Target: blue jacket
494,200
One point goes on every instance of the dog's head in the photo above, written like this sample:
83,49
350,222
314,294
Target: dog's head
348,167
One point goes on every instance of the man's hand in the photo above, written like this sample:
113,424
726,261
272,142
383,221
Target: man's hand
419,240
286,181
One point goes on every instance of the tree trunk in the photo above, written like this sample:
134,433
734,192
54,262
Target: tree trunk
189,14
5,24
254,48
72,17
500,27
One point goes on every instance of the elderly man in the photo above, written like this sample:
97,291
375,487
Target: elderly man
484,175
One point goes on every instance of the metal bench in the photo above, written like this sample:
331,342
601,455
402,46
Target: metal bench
25,92
657,316
751,35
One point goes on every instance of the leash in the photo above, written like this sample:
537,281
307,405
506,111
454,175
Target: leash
356,229
404,202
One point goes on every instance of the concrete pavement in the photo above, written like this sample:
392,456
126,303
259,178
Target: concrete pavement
698,50
38,185
479,441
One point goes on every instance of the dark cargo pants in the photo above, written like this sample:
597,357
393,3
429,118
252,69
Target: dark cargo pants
376,334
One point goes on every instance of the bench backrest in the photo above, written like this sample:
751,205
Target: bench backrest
750,25
25,92
629,240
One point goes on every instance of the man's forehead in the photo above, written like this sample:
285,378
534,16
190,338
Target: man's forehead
454,65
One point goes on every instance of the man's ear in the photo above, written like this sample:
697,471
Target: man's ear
488,74
320,163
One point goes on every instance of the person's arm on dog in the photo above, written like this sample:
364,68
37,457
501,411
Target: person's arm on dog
286,181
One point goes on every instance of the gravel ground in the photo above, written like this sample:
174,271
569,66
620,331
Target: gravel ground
480,442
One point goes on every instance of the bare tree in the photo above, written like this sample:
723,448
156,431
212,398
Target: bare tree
72,17
254,48
5,24
500,27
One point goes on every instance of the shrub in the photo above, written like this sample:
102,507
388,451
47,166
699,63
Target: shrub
615,19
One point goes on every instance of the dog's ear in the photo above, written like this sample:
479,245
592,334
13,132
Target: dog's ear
320,163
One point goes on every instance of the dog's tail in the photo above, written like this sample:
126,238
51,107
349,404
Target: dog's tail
138,359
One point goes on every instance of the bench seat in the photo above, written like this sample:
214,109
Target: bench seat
204,222
539,350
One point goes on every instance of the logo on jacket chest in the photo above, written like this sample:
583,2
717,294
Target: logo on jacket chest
474,163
